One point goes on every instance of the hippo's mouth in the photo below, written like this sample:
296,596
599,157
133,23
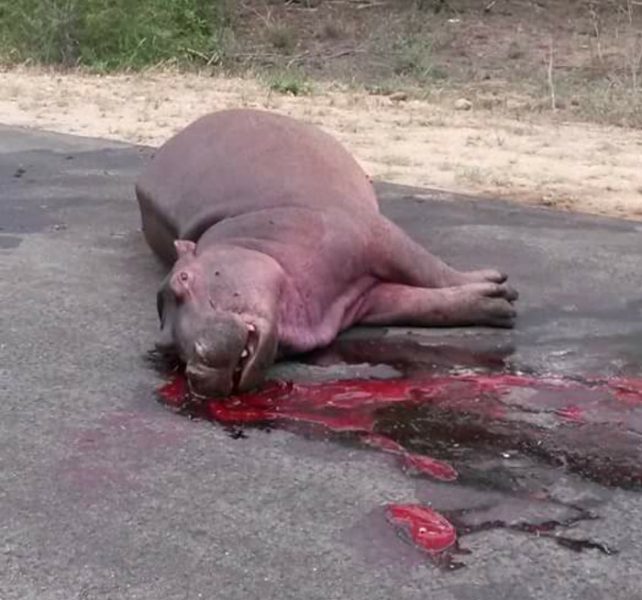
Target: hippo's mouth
245,359
212,375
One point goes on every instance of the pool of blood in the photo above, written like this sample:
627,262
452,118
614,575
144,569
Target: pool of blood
458,428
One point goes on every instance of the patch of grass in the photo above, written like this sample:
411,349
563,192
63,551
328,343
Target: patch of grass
106,35
384,87
413,57
283,37
609,99
470,175
289,82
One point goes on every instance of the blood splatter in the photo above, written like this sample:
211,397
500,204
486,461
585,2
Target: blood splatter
549,418
440,425
572,413
425,527
411,462
628,390
382,443
429,466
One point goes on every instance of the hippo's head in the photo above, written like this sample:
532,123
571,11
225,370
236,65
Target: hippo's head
218,313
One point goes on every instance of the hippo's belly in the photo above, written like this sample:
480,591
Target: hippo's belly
236,162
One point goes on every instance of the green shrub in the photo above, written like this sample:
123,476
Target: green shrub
112,34
289,82
413,57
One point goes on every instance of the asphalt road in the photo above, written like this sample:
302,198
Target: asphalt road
107,494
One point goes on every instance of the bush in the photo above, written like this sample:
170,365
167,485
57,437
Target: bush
289,82
112,34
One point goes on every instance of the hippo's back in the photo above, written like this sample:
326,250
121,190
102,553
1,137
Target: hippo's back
238,161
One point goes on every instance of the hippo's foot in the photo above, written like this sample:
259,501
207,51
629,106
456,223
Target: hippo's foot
486,303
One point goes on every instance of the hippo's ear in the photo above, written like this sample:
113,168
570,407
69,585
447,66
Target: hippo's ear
184,248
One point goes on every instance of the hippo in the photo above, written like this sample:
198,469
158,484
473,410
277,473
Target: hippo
274,242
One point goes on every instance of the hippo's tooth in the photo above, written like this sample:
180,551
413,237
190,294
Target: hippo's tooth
251,327
245,353
200,349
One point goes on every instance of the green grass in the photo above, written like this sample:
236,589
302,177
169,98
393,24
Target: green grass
413,57
282,37
107,35
288,82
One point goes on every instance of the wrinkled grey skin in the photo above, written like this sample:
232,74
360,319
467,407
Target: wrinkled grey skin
276,244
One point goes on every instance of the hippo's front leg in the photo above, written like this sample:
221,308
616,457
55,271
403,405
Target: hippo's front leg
485,303
398,258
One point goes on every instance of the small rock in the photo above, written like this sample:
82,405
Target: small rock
399,97
463,104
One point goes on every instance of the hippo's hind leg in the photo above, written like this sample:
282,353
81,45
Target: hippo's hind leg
484,303
398,258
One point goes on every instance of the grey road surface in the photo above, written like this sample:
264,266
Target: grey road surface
106,494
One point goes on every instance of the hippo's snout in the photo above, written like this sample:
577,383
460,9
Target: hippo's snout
211,373
208,382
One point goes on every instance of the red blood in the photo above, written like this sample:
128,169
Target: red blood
353,406
223,413
383,443
174,392
337,423
628,390
348,405
484,402
412,462
429,466
571,413
427,529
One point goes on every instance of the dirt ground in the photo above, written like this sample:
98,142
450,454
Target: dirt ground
571,166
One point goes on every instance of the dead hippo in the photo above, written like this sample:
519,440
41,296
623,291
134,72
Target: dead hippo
277,245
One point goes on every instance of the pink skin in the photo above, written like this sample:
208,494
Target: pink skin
286,249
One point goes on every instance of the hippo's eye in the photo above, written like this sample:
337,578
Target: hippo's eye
181,285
